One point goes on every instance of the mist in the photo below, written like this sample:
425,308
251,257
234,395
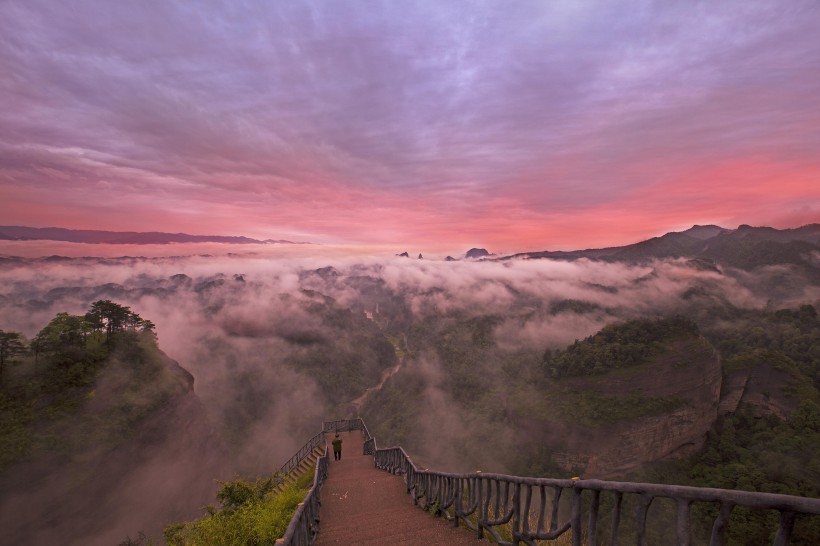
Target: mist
277,344
222,317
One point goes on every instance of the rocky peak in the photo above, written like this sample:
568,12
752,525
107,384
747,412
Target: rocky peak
476,253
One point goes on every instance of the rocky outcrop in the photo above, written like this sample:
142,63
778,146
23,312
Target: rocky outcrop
734,385
762,387
688,374
476,253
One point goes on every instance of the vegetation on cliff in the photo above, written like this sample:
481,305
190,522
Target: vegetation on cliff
43,391
753,448
617,346
793,333
753,453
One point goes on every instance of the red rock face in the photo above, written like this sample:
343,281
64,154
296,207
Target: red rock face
690,372
761,388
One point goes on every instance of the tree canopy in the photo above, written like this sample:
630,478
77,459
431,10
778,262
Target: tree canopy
109,317
617,346
67,355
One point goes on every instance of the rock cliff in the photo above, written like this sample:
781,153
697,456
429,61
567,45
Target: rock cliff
686,378
762,383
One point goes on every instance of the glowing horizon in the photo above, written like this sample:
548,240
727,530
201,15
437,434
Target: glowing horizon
542,126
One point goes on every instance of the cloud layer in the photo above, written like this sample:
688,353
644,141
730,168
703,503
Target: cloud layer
277,345
377,122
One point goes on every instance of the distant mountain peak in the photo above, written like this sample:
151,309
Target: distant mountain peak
704,232
477,253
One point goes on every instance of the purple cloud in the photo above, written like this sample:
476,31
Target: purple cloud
418,111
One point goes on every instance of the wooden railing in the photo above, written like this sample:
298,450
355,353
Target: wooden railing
529,509
346,425
303,452
304,525
514,509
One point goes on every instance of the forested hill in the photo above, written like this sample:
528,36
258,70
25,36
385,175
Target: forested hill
618,346
94,419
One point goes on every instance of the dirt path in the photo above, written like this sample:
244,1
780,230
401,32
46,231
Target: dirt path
356,404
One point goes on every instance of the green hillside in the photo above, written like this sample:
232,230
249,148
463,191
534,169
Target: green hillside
93,420
84,383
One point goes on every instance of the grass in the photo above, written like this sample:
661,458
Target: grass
256,523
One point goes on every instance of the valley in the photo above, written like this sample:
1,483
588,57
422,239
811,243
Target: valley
659,369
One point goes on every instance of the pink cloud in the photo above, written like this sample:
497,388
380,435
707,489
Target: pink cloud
542,129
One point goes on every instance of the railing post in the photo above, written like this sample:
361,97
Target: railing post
483,501
592,526
459,485
784,532
516,527
640,517
556,499
525,519
616,518
682,524
575,518
719,529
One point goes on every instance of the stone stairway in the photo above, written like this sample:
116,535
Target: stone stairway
365,506
308,464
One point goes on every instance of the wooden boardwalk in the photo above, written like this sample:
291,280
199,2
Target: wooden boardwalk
365,506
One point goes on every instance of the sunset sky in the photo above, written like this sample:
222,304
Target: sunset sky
526,125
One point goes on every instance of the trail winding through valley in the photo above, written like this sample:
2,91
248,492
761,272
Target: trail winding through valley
356,405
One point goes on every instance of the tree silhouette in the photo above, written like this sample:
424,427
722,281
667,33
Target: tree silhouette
110,318
11,344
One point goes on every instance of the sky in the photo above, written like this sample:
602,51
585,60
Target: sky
532,125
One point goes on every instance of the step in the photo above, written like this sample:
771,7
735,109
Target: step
308,464
387,534
392,512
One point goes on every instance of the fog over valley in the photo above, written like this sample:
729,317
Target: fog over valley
453,360
539,240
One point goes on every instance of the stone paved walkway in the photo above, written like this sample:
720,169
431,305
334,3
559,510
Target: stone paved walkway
365,506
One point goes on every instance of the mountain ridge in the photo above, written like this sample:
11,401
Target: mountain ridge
746,247
93,236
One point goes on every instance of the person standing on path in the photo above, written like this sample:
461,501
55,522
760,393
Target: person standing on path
337,448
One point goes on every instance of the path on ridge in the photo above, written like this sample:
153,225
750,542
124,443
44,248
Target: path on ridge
367,506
